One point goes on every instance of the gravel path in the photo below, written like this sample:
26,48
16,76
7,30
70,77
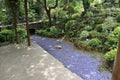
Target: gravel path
84,65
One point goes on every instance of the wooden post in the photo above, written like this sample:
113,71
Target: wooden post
116,68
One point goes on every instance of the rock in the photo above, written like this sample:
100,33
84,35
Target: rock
58,47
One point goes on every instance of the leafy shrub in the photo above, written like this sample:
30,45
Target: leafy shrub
45,32
80,44
2,17
1,37
98,20
110,55
53,29
75,15
70,34
94,42
117,30
21,34
70,8
112,39
6,35
118,18
31,15
98,28
69,24
50,32
106,46
94,34
89,13
40,32
84,35
59,11
108,24
87,28
78,8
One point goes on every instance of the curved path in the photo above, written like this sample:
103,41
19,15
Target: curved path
84,65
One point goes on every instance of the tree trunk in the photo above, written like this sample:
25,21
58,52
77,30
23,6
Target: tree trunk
26,17
116,69
14,14
49,17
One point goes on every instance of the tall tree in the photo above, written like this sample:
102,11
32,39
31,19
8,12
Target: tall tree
26,17
116,69
48,10
13,7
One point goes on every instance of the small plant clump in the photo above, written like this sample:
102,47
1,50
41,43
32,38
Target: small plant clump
94,43
110,55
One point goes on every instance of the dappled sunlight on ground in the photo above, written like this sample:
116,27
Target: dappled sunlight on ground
19,62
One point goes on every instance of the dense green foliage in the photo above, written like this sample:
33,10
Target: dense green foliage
7,36
21,34
50,32
95,42
84,35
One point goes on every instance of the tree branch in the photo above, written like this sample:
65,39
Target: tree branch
56,4
45,5
52,7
